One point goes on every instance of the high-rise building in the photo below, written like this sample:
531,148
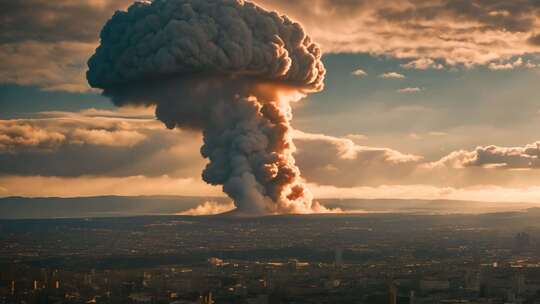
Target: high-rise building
411,297
45,277
338,257
206,299
392,293
522,242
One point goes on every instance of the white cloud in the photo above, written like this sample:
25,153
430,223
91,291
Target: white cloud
423,64
506,66
510,65
359,73
410,90
392,75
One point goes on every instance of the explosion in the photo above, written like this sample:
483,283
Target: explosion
228,68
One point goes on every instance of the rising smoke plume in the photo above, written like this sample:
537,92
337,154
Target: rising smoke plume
228,68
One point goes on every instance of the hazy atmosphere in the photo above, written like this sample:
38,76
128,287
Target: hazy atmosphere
269,152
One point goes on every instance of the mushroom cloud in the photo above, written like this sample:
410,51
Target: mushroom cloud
228,68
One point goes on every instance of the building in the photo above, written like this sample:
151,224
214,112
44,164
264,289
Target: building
338,257
392,294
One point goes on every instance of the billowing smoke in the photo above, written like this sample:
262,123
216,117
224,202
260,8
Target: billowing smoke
228,68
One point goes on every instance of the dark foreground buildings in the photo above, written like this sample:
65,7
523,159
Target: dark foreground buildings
370,258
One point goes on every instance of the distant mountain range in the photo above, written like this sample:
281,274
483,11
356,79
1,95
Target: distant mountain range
120,206
99,206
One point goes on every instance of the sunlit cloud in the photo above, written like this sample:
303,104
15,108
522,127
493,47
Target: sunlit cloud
392,75
52,149
15,135
356,137
462,33
423,64
359,73
47,43
410,90
486,193
526,157
96,142
510,65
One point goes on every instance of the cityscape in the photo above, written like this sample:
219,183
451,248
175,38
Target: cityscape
364,258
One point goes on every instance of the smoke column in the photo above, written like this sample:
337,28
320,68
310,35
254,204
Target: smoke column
228,68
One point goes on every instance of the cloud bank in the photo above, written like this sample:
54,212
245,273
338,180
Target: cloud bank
526,157
47,39
41,158
456,32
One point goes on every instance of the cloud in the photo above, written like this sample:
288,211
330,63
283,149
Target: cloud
126,143
392,75
46,43
49,41
506,66
209,208
94,142
14,135
54,21
423,64
102,137
456,32
492,156
359,73
437,133
56,66
417,136
228,69
51,145
46,134
356,136
534,39
510,65
124,112
486,193
410,90
333,160
41,155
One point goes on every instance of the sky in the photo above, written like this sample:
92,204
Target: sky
422,99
